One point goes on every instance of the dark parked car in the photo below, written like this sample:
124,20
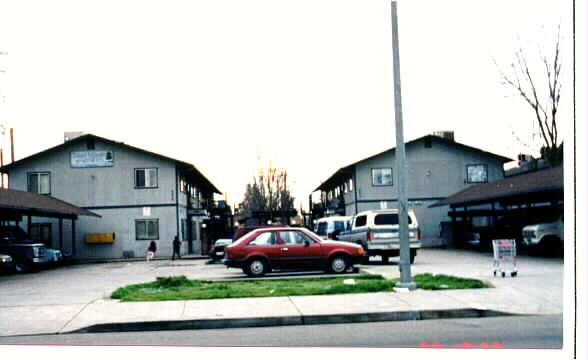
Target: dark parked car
6,264
266,249
26,254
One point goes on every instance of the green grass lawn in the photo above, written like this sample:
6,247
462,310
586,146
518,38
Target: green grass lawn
429,281
181,288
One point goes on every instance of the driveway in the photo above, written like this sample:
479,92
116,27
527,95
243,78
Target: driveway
83,284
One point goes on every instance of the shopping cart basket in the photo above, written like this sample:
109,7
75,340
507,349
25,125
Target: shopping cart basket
505,255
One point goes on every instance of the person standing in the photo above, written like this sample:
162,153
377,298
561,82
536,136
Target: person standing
151,250
177,244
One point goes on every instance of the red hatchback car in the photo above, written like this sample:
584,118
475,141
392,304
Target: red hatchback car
263,250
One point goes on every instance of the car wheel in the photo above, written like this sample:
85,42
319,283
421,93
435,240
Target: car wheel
21,268
338,264
256,267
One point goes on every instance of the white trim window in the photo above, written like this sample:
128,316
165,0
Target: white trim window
145,178
477,173
382,177
147,229
39,183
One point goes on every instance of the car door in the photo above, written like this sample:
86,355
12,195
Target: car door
297,250
265,244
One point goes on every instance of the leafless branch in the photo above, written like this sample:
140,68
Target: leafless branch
524,83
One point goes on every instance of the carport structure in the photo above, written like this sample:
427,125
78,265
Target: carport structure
528,198
14,204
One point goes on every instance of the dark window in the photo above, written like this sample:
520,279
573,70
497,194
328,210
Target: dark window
39,183
388,219
361,221
147,229
90,143
146,178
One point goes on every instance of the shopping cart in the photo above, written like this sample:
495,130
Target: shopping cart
505,253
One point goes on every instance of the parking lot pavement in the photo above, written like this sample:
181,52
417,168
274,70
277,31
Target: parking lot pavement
537,285
67,298
82,284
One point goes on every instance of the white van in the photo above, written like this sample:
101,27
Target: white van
330,227
377,231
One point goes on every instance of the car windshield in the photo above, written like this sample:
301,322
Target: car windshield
312,235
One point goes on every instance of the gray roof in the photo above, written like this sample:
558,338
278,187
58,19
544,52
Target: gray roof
536,184
340,175
189,170
23,202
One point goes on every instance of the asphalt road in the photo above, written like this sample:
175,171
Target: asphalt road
523,332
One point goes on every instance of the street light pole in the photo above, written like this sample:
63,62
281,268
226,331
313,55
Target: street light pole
400,158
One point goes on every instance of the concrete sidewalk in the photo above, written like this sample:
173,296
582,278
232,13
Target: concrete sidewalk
531,292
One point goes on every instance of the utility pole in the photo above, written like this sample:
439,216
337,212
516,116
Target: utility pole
12,144
400,158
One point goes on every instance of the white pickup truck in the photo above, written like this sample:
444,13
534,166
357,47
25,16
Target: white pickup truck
546,235
377,231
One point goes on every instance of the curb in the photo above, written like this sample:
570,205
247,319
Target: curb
291,320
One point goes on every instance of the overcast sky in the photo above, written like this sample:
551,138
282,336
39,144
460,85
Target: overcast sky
304,84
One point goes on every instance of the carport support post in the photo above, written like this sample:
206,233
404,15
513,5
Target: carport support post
73,237
61,234
29,226
400,158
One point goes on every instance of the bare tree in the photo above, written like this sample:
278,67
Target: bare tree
542,98
269,192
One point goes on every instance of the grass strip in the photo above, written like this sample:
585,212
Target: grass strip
428,281
181,288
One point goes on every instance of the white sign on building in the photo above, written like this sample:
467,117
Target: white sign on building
91,158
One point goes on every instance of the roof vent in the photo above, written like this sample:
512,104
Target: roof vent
525,159
448,135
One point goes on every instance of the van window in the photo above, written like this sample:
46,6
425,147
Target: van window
388,219
361,221
322,228
339,225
